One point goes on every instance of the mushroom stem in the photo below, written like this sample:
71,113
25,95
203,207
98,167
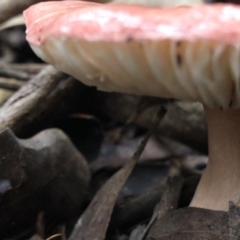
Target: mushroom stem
220,182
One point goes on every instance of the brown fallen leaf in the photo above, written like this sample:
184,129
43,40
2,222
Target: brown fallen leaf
94,222
169,199
42,174
191,224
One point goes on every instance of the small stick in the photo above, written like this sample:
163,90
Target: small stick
10,83
31,68
9,72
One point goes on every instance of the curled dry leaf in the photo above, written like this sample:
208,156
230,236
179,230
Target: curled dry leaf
42,174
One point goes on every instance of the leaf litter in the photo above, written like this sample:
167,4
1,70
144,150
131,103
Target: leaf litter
93,224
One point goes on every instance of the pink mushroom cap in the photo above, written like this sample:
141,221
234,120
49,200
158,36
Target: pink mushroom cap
98,22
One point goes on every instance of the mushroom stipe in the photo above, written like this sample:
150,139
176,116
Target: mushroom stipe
187,53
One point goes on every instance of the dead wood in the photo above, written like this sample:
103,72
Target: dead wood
9,72
10,83
47,96
31,68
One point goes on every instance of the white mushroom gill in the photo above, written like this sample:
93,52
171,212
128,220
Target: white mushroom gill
194,71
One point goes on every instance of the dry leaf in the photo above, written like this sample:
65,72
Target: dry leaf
94,222
44,173
191,224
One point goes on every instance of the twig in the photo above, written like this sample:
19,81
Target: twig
31,68
39,102
7,71
10,83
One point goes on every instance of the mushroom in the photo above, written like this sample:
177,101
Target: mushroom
185,53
